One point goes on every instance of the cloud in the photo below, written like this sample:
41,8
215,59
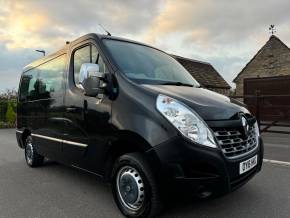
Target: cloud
225,33
29,25
209,20
11,64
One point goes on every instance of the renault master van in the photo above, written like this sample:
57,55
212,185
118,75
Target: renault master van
132,115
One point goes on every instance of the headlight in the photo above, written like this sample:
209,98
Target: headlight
185,120
257,131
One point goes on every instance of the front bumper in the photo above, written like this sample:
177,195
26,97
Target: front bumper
19,136
193,168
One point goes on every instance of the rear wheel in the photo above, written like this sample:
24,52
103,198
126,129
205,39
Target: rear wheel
33,159
135,187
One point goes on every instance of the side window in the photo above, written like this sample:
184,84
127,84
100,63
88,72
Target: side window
81,56
50,81
97,59
88,54
28,86
95,55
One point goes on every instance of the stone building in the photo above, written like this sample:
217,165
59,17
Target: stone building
205,74
273,59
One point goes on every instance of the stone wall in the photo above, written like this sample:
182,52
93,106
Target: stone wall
272,60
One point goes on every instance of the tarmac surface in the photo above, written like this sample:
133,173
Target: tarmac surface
55,190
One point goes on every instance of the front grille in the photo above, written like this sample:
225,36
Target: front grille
233,143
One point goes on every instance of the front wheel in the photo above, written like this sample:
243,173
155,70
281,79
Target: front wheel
134,187
33,159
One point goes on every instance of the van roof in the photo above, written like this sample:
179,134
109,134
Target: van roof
78,40
45,59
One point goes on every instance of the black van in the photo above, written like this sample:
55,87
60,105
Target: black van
134,116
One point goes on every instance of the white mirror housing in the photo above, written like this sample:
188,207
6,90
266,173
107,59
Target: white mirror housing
91,79
87,70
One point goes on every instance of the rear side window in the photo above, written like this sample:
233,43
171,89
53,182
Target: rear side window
44,81
28,87
50,79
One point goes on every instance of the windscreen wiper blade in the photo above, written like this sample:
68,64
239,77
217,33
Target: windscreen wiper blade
177,84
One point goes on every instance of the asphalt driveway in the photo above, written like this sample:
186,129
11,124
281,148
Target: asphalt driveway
59,191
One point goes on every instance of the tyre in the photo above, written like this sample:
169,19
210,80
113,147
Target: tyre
134,187
33,159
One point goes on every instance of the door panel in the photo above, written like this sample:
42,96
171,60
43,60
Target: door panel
75,134
48,135
49,92
87,132
88,118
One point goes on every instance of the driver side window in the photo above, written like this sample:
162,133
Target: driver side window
87,54
81,56
97,59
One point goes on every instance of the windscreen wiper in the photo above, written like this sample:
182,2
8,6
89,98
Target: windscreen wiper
177,84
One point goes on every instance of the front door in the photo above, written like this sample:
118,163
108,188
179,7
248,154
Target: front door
87,118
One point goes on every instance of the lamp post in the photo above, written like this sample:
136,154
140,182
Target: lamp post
41,51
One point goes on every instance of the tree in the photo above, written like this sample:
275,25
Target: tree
10,114
8,94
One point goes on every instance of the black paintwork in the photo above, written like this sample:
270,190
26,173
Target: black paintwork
125,120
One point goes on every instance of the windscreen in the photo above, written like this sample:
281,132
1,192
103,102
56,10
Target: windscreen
147,65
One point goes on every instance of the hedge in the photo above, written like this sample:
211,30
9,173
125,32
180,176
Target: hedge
7,113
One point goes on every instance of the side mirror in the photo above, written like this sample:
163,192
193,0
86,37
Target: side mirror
92,80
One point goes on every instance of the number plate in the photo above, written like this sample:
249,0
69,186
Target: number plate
248,164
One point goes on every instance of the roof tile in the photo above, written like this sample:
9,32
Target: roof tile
203,72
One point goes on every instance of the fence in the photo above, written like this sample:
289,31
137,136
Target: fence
270,111
7,112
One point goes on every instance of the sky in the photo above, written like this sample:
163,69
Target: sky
225,33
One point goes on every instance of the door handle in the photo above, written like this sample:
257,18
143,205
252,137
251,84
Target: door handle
71,109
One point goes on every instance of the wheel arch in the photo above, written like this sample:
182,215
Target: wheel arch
128,142
25,134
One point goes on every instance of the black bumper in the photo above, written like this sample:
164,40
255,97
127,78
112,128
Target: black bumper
19,135
193,168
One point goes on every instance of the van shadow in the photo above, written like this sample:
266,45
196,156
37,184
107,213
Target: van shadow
81,179
48,162
222,206
69,171
175,206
